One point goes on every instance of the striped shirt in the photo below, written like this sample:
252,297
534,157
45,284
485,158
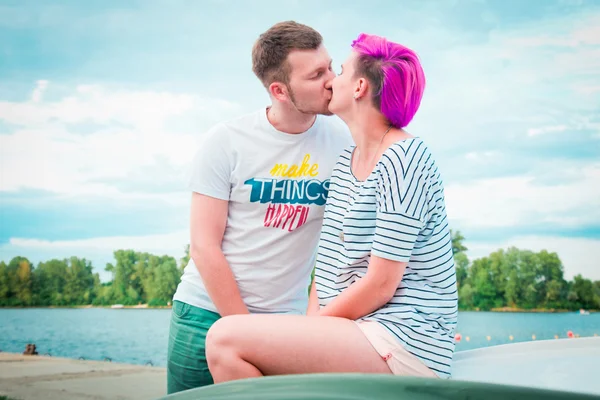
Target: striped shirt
397,213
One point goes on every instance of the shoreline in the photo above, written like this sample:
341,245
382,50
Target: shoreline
14,356
121,307
28,377
538,310
147,307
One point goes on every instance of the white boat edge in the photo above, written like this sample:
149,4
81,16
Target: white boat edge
557,364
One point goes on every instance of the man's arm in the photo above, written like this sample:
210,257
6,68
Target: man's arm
208,221
369,293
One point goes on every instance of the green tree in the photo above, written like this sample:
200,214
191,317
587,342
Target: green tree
79,282
24,282
554,293
549,277
4,284
166,279
584,288
485,296
465,297
12,269
50,279
572,299
597,295
512,292
123,275
185,259
461,261
457,242
462,268
528,278
507,277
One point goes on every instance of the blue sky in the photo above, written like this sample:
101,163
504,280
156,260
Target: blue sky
102,104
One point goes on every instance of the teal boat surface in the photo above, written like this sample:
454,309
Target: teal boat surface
551,369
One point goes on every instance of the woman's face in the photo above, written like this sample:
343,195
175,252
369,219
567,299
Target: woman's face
343,87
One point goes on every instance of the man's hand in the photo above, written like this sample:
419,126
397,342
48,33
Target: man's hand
208,221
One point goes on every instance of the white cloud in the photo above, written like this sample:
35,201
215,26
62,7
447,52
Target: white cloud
38,92
517,81
577,32
480,156
576,123
546,129
587,89
155,243
578,255
94,103
483,91
132,132
514,201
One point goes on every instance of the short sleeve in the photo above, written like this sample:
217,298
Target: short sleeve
210,173
401,200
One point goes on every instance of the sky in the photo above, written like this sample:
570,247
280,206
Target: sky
103,105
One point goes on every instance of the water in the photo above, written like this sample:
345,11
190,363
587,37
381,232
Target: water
140,336
521,326
123,335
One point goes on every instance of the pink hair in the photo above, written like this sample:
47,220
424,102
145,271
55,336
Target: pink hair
396,75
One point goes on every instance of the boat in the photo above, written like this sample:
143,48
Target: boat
117,306
546,369
569,365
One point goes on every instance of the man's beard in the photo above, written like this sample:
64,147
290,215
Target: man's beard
307,110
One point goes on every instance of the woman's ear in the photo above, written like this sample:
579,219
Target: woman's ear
361,89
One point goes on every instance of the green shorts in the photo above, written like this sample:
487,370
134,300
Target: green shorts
186,356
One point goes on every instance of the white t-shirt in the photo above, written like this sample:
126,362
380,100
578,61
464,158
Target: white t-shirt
277,186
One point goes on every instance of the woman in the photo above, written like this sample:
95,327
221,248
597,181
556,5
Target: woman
384,299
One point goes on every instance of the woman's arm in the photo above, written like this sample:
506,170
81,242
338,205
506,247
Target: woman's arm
369,293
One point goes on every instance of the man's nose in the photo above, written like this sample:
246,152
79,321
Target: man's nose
329,80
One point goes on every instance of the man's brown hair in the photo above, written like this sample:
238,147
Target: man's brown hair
270,51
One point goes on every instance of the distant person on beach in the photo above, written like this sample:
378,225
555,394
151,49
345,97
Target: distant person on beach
385,296
259,186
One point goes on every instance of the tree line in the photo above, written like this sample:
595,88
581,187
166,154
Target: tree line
513,278
519,279
137,278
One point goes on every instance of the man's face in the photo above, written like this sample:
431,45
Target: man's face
310,79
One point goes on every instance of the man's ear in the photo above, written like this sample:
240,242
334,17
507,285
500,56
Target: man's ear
279,91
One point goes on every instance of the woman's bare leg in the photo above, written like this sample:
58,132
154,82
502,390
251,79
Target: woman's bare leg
245,346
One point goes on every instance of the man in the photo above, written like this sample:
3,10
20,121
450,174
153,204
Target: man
259,183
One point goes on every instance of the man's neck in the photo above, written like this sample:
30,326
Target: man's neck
288,120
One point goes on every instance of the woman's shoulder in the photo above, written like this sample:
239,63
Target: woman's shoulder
413,143
346,154
407,151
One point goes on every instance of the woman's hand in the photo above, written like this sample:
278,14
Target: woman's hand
369,293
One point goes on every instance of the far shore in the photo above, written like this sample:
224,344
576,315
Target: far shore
147,307
118,307
532,310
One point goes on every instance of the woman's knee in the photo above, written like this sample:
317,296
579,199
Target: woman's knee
221,340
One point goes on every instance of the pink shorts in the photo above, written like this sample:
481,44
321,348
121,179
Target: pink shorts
400,361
